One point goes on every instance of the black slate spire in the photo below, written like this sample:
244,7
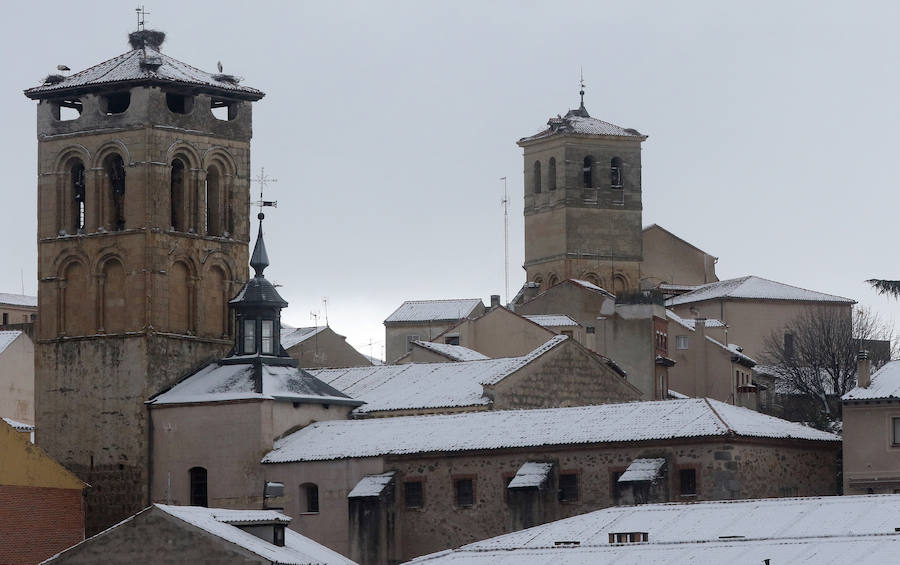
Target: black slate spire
260,259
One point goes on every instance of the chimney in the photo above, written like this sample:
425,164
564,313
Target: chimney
531,290
863,369
495,300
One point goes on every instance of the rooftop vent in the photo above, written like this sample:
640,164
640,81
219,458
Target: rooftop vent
567,543
628,537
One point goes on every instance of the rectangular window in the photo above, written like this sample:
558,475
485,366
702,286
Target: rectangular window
268,329
465,492
590,329
687,480
249,336
413,494
5,318
568,487
681,342
312,498
452,340
896,436
788,345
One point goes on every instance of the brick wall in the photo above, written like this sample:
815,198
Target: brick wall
37,522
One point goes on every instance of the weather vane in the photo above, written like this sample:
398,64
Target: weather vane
581,92
262,180
141,13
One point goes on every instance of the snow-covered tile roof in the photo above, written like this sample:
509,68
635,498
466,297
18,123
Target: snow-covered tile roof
7,337
885,384
734,349
821,530
753,287
453,352
579,122
220,382
371,485
591,286
19,426
292,336
530,474
676,394
18,299
426,385
297,549
552,320
129,68
433,310
642,470
636,421
691,323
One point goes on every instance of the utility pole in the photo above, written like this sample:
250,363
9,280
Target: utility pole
505,203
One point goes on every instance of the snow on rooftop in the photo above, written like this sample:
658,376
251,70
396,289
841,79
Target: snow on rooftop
753,287
426,385
732,348
582,124
642,470
531,474
691,323
19,426
885,384
591,286
822,530
293,336
636,421
220,382
371,485
552,320
677,395
433,310
18,299
7,337
297,549
453,352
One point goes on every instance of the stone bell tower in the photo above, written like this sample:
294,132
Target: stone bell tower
583,202
143,231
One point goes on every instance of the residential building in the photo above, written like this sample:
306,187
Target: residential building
41,503
189,534
422,320
17,309
320,346
441,481
499,332
143,224
16,376
431,352
669,260
831,530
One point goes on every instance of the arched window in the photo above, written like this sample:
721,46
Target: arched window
309,498
588,171
537,177
115,172
616,173
198,487
551,174
213,202
552,280
619,284
592,278
76,179
176,195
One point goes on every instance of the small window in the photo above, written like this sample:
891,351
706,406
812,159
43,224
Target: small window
78,194
616,174
895,421
568,487
268,329
115,103
788,345
179,103
413,494
198,486
537,177
278,536
309,498
681,342
409,341
5,318
66,110
465,492
452,340
687,480
588,171
249,336
590,330
551,174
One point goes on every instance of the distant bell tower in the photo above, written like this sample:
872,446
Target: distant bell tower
143,231
583,202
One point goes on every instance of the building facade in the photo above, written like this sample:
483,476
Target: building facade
143,194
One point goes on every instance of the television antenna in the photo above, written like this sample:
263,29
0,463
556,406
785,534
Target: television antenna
262,180
505,203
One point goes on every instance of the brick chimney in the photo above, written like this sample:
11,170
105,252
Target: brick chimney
863,369
495,300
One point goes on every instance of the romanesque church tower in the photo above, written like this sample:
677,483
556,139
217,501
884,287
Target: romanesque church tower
583,202
143,231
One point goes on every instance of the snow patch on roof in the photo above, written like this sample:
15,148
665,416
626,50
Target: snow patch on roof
433,310
453,352
371,485
753,287
297,335
732,348
591,286
531,474
552,320
691,324
18,299
642,470
19,426
426,385
7,337
636,421
885,383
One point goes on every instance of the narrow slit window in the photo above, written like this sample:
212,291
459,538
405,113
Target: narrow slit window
588,172
198,487
537,177
176,195
616,174
78,188
268,330
551,174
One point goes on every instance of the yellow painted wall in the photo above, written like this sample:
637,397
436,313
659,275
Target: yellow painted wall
24,464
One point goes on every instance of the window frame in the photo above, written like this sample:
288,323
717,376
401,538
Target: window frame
264,326
459,480
895,437
696,475
682,342
309,505
421,494
248,324
577,479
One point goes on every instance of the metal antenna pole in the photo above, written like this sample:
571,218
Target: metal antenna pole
505,204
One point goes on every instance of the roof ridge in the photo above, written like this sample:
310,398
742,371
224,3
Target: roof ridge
728,429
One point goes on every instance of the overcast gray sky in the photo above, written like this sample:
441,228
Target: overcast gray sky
771,128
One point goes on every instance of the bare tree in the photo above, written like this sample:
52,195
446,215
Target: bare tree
814,359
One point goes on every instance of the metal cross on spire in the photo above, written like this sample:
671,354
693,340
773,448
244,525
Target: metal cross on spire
581,92
262,180
141,13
